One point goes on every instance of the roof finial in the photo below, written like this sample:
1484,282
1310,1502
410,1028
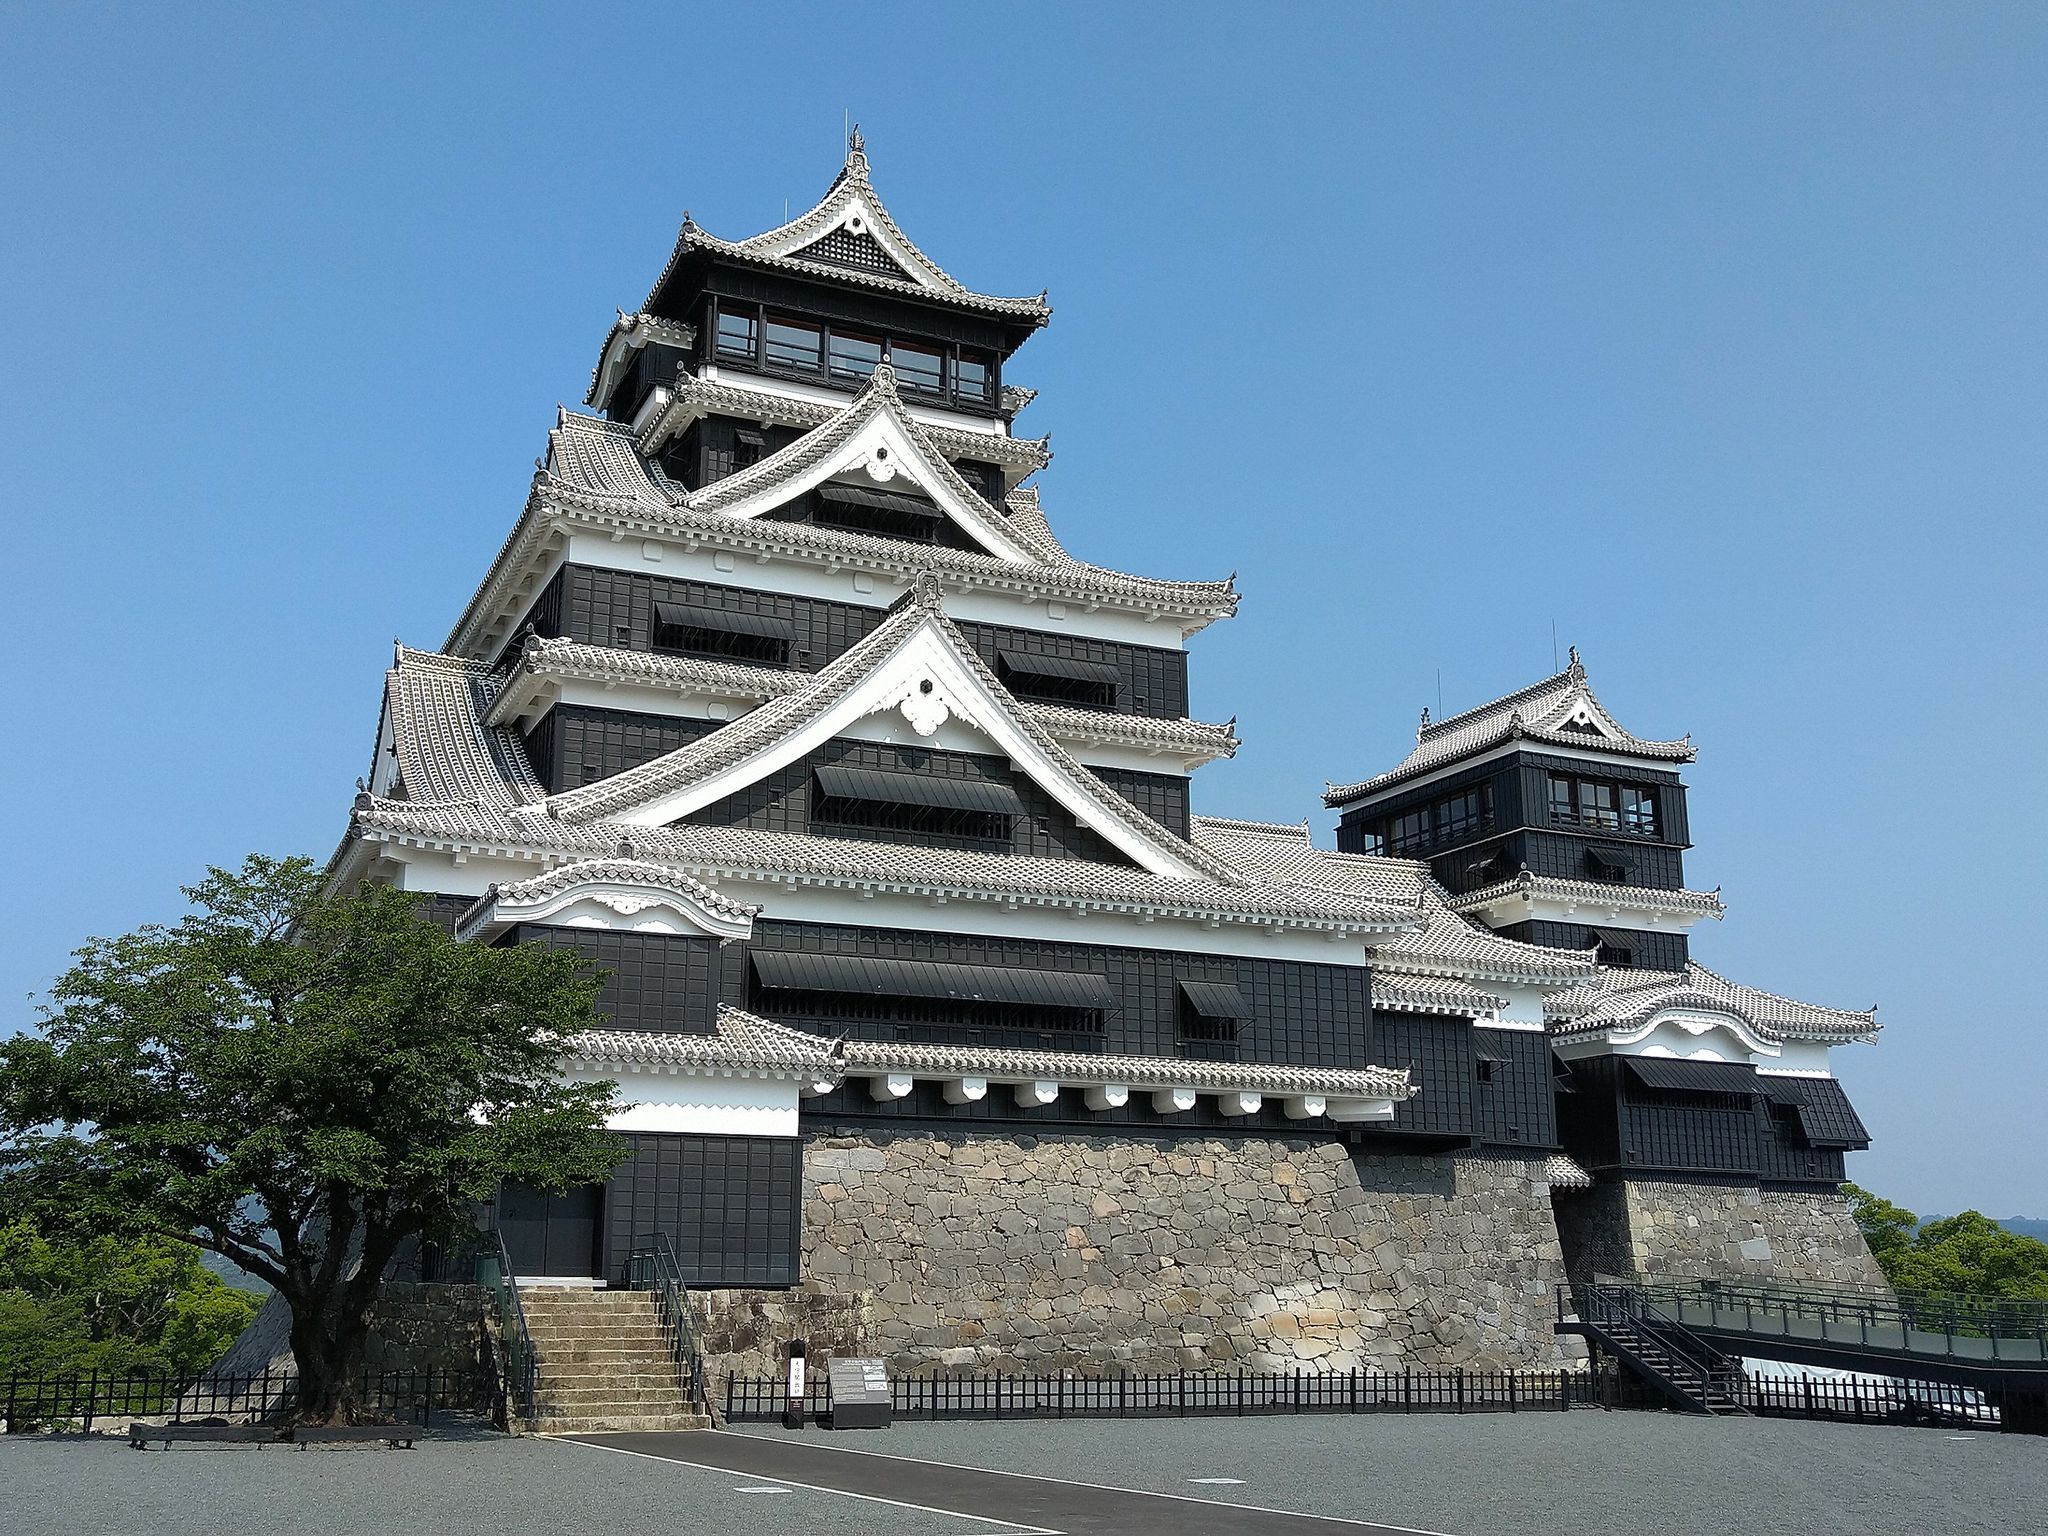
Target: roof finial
1425,723
925,590
1576,664
856,154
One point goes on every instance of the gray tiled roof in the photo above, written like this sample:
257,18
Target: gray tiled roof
1592,893
1442,942
583,872
598,460
1619,999
1138,1072
744,1042
1563,1173
851,182
1404,992
1536,713
445,753
736,680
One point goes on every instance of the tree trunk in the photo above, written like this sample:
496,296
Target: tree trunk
330,1341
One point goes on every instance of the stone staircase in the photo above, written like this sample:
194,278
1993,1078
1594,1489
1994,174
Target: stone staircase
604,1363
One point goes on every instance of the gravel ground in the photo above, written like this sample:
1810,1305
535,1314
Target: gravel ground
1537,1474
98,1487
1589,1474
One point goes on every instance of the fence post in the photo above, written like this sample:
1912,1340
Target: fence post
1183,1380
1407,1389
1461,1389
1511,1391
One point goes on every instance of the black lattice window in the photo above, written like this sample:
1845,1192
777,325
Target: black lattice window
845,248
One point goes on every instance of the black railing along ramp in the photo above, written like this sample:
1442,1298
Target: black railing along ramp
1993,1345
1011,1503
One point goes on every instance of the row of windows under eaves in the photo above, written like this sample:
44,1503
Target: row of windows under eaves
701,287
1483,823
631,610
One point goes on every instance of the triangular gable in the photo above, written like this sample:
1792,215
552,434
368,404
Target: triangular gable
917,663
851,218
878,441
1577,712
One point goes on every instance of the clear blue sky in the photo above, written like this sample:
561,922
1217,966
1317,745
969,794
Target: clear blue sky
1714,335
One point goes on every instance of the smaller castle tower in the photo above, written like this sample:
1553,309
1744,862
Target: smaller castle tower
1546,821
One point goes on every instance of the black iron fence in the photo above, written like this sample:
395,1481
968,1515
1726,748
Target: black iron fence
29,1404
1877,1401
1188,1394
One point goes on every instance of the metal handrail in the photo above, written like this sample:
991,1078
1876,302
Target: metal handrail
1952,1316
653,1266
1607,1305
1713,1367
521,1371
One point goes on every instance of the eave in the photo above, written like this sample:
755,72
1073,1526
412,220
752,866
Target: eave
555,508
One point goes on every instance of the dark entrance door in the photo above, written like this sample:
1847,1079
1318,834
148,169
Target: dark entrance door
550,1235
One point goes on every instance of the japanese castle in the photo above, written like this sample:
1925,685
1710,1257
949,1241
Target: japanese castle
785,702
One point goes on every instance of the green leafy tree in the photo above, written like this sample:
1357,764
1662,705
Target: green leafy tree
112,1303
302,1081
1969,1255
1973,1255
1887,1228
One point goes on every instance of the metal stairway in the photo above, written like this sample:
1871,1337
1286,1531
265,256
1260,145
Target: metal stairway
1692,1375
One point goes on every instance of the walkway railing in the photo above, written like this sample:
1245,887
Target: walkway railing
653,1266
519,1371
1965,1329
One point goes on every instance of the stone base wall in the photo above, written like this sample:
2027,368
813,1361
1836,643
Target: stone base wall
1099,1254
1661,1228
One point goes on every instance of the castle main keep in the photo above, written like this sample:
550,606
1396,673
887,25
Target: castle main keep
944,1027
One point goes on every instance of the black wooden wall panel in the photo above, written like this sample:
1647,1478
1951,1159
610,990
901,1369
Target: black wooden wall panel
1162,796
1611,1121
1303,1014
616,608
1653,951
1517,1107
1588,1119
575,744
1438,1052
732,1205
444,911
665,983
781,802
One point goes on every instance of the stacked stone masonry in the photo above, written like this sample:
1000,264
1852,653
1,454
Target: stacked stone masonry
1697,1231
1101,1254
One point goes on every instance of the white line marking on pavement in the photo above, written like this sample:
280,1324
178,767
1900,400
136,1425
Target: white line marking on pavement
762,1488
1008,1527
1152,1493
1236,1482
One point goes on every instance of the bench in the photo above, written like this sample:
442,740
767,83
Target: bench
139,1435
397,1436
